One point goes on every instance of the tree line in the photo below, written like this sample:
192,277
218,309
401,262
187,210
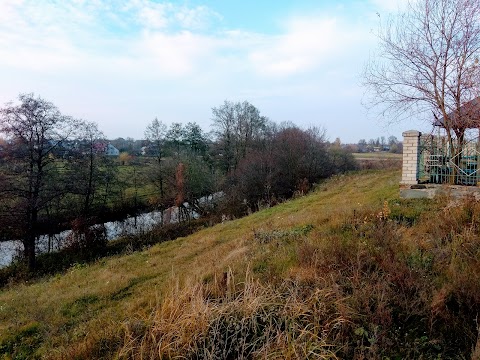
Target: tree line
380,144
54,175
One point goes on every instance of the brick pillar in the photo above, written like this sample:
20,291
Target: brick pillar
411,142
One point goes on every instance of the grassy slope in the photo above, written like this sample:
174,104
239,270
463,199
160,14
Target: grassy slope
86,307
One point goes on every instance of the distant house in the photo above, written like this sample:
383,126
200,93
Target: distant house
100,147
106,149
111,150
381,148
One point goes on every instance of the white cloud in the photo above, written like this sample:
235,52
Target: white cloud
154,15
307,44
163,15
55,35
174,55
123,60
389,5
196,18
52,35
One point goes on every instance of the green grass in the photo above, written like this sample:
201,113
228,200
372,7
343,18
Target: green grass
332,247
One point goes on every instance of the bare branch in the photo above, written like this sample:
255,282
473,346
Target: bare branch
428,61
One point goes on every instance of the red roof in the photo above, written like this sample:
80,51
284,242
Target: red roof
467,118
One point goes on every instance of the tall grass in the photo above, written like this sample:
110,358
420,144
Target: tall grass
371,287
226,319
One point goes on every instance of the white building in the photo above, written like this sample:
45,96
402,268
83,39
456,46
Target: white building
111,150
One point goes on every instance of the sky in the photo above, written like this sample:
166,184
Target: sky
122,63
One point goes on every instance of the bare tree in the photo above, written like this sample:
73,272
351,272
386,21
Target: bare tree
195,138
224,125
176,136
155,134
292,160
428,65
37,131
89,167
237,127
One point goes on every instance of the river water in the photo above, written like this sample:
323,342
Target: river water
142,223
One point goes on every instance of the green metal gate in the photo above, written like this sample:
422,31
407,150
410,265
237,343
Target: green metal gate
440,164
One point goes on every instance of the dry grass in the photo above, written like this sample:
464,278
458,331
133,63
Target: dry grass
349,271
378,160
377,156
229,320
476,349
364,287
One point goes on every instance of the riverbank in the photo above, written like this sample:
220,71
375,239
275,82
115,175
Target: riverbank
58,261
127,226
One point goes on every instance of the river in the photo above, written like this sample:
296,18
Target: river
139,224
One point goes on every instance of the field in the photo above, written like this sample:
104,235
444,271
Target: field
332,275
378,160
377,156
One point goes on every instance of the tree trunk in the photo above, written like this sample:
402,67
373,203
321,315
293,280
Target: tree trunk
29,242
29,252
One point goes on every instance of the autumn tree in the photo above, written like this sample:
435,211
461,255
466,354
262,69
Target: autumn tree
395,146
428,65
362,145
125,158
180,191
37,131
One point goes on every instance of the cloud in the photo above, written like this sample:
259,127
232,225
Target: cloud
391,6
297,50
160,38
166,15
154,15
54,35
306,44
114,61
174,54
197,18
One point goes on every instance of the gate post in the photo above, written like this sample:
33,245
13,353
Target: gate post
411,146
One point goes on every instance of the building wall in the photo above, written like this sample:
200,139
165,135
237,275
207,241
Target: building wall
111,150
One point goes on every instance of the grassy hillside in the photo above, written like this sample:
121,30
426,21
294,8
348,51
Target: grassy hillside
349,271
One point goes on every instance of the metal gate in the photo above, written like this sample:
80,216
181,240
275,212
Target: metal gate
440,164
